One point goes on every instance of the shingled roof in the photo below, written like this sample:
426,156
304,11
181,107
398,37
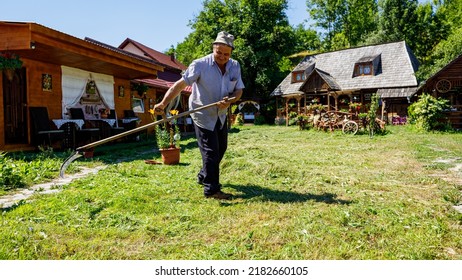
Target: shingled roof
173,67
165,60
396,66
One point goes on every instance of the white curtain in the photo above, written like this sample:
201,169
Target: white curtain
73,85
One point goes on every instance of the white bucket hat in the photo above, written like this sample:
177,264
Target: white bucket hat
225,38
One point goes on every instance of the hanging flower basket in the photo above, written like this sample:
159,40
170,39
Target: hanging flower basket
8,63
9,73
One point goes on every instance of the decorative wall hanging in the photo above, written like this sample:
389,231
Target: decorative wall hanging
121,91
47,82
91,94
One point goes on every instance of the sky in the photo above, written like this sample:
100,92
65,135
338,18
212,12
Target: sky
157,24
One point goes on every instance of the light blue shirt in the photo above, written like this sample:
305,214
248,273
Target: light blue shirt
209,85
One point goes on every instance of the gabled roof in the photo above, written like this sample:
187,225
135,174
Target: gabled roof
162,58
172,70
330,81
397,68
114,49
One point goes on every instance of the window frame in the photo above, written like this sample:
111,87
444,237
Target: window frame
360,67
137,105
297,74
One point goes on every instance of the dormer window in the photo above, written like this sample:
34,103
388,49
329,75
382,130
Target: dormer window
367,66
298,76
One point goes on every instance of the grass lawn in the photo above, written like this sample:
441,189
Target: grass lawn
298,195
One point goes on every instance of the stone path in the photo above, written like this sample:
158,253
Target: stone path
8,201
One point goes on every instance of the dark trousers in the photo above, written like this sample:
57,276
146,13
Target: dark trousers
212,145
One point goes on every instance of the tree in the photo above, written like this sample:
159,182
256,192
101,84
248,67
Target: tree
360,20
446,38
345,22
431,29
396,22
263,37
306,39
329,16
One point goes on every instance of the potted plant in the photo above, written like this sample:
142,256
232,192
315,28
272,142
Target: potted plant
168,140
8,63
141,89
355,107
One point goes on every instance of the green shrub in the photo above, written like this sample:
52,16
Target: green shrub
280,121
10,176
239,119
293,118
427,113
259,119
302,121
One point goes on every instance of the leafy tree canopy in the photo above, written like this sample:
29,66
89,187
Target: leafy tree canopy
263,39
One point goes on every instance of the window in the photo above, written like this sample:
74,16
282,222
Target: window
366,69
368,66
298,76
362,69
137,105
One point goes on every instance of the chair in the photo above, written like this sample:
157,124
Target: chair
129,114
117,129
129,123
88,133
41,127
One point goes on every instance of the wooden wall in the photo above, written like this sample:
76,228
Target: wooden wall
36,96
52,99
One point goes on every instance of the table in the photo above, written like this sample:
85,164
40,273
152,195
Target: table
111,122
69,140
129,120
61,122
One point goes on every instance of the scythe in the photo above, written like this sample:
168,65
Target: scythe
80,151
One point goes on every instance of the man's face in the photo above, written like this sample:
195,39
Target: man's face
221,53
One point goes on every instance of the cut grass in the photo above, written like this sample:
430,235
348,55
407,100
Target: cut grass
298,195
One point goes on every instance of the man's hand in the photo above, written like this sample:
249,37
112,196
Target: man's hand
223,104
159,109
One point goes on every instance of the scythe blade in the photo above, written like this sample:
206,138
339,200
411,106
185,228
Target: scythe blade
68,161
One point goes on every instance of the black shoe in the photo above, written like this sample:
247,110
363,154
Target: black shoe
220,195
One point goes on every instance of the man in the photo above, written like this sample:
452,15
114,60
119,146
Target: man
214,78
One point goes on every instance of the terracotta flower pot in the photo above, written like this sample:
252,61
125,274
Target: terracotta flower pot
170,155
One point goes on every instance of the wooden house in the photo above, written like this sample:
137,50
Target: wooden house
60,72
447,84
337,79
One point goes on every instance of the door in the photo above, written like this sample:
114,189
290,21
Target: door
15,107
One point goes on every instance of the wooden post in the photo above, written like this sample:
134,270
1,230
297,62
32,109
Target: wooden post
383,108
